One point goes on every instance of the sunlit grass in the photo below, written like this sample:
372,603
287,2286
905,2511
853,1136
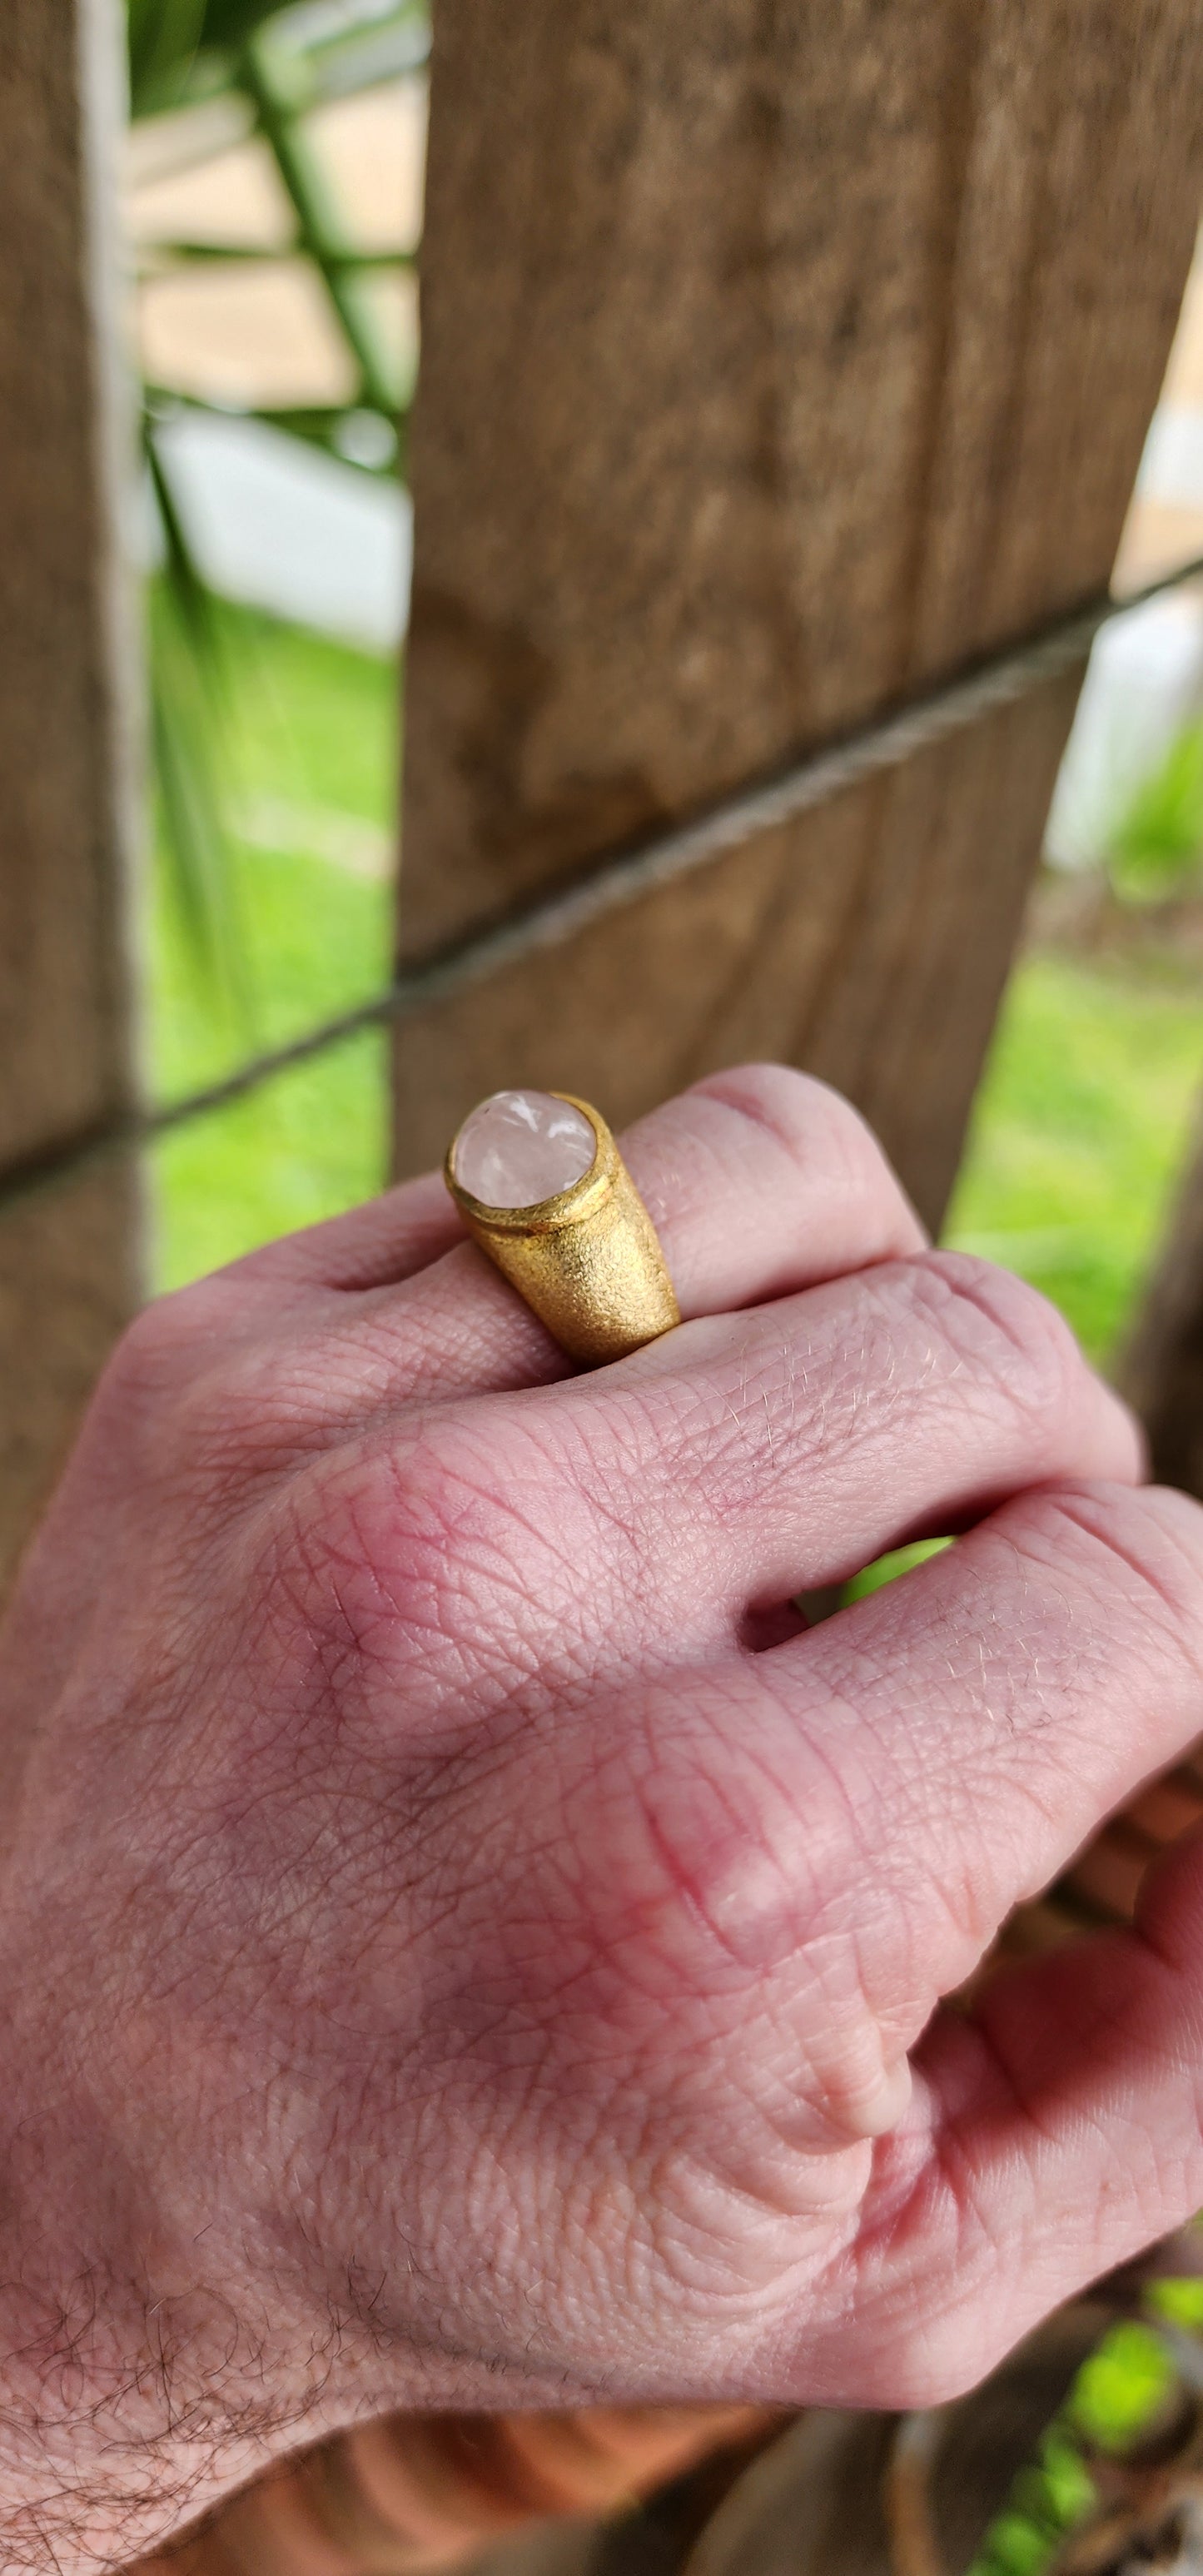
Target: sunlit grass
300,1148
1080,1127
1156,841
310,783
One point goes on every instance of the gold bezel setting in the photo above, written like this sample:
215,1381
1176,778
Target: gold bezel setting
587,1260
564,1207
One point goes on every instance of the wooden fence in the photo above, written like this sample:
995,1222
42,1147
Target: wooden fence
69,1259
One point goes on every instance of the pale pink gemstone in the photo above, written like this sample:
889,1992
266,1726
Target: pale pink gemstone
520,1147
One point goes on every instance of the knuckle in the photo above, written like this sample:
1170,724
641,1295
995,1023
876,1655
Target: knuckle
190,1401
457,1551
134,1414
1142,1552
191,1337
775,1096
743,1865
150,1357
934,2369
1004,1337
817,1128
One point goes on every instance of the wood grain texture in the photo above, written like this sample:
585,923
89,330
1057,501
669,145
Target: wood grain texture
67,1286
871,945
68,1267
776,361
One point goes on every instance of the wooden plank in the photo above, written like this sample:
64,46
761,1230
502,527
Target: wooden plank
1161,1372
68,1264
775,362
870,945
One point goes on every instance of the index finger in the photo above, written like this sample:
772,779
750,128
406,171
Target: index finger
1053,2134
1003,1698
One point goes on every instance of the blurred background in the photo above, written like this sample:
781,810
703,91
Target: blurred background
273,204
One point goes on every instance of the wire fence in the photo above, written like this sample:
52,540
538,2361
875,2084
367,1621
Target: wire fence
621,877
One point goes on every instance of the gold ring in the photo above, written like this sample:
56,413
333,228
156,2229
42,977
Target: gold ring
582,1251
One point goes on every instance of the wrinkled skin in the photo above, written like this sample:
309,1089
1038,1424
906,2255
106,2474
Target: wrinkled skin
462,1940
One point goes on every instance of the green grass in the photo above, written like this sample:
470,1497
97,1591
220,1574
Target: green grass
1157,840
319,721
303,1147
1080,1127
310,762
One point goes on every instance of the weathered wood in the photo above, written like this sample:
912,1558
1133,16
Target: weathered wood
870,944
68,1264
1161,1372
775,361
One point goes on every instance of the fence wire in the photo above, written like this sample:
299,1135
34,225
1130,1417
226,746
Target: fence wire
626,875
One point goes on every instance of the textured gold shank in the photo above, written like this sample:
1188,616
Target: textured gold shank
587,1261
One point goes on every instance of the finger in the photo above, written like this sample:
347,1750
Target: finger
987,1711
1052,2136
285,1305
762,1180
656,1516
759,1182
773,1868
972,1723
749,1458
818,1844
863,1808
392,1236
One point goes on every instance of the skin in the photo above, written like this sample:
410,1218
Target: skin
461,1940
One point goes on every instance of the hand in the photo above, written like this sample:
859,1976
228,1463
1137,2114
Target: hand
460,1943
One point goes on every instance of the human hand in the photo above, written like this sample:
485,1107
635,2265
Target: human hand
460,1944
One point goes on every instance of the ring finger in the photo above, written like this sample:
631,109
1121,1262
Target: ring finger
759,1182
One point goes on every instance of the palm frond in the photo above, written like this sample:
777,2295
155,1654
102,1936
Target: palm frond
172,41
181,50
190,717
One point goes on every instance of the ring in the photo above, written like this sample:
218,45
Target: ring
544,1191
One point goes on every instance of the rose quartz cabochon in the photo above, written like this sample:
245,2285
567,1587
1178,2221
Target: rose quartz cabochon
520,1147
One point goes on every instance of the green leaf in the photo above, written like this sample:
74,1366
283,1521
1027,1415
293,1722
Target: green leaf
1121,2388
189,721
1180,2302
168,38
887,1569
